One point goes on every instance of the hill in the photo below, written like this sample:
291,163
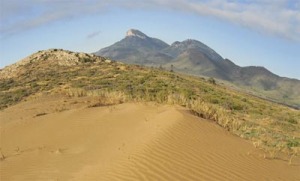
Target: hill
274,126
195,58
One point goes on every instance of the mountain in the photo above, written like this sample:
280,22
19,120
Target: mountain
196,58
180,47
137,48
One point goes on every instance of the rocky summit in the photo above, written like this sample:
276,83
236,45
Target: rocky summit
136,33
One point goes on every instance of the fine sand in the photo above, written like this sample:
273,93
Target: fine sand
63,139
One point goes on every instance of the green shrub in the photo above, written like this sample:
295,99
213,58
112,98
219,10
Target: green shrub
293,143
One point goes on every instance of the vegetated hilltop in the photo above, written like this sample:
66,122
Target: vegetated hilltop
269,125
43,59
196,58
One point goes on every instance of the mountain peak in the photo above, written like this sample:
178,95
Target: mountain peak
136,33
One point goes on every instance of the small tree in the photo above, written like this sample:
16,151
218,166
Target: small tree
212,80
172,68
161,67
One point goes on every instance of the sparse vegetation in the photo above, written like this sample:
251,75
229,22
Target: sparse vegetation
274,126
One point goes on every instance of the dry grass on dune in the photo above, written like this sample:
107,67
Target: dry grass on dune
261,134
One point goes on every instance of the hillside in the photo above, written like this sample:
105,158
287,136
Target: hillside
195,58
78,74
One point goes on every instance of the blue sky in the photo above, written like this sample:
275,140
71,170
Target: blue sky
248,32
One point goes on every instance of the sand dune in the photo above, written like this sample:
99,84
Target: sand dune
132,141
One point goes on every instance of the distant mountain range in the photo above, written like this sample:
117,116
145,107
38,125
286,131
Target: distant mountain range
196,58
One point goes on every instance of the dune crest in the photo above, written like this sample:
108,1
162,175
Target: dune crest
132,141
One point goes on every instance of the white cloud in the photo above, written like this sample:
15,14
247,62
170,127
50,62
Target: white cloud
268,16
279,18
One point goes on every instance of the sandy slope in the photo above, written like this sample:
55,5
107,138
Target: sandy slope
125,142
